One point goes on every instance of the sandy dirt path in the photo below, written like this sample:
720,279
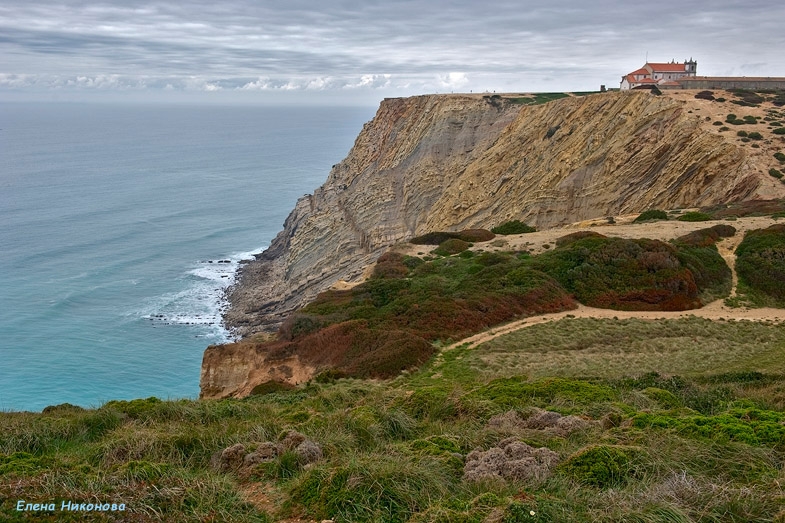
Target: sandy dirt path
717,310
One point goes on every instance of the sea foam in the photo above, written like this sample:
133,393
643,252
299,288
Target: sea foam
203,301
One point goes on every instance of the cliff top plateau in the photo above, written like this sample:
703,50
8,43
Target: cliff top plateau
451,162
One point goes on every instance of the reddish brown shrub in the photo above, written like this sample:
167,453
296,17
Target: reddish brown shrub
476,235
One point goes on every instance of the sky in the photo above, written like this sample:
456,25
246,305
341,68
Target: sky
358,52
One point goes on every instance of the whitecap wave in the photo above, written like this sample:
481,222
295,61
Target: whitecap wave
202,302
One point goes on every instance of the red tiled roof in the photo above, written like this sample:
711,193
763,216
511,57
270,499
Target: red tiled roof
667,68
641,71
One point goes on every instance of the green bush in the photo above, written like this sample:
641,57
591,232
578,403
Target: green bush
743,134
779,130
760,261
746,425
755,136
603,466
451,246
775,173
517,392
622,274
780,157
651,214
575,236
513,227
467,235
433,238
694,216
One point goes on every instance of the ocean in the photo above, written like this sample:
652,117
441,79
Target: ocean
121,226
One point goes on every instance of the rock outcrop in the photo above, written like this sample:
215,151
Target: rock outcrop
449,162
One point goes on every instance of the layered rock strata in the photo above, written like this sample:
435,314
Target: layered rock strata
449,162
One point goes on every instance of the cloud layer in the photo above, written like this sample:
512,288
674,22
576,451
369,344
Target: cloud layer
389,47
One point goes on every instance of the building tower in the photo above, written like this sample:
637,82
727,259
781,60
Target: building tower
690,67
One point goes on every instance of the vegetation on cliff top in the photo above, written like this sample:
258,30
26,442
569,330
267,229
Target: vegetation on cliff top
760,264
466,438
389,323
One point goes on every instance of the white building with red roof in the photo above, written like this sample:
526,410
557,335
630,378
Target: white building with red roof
665,75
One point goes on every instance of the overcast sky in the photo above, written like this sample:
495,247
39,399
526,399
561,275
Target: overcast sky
362,51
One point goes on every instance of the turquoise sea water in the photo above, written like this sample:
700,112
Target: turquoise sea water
120,226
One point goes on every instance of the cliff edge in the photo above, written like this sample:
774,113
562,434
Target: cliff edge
448,162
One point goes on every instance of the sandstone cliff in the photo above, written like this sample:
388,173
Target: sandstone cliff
447,162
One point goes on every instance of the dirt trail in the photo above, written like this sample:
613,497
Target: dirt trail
716,310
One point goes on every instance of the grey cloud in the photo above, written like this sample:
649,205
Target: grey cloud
379,45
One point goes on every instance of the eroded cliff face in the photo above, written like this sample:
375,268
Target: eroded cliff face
448,162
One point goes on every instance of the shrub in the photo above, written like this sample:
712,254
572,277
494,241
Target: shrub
705,95
779,130
513,227
439,237
747,425
136,409
724,128
476,235
697,252
694,216
575,236
651,214
603,466
433,238
622,274
390,265
775,173
755,136
743,134
780,157
508,393
451,246
706,237
760,261
717,123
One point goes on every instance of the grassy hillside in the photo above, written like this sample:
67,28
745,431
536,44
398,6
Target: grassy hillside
575,420
580,420
390,322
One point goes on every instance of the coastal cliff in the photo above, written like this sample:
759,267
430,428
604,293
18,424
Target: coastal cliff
449,162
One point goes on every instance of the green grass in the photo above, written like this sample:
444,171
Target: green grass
687,441
609,348
537,98
679,420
